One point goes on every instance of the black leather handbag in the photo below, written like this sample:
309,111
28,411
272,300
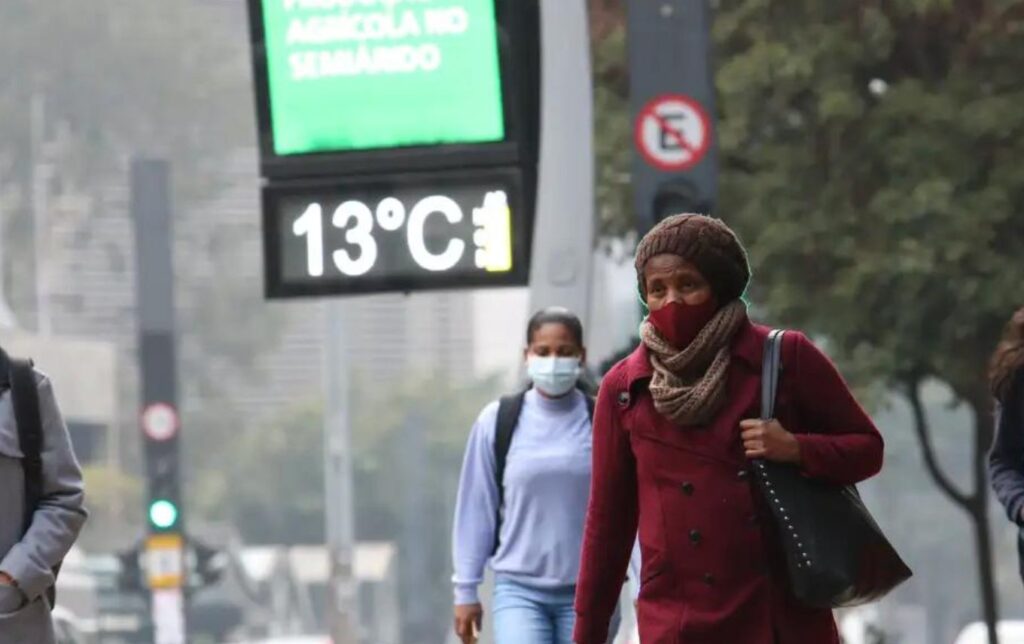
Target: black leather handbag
836,555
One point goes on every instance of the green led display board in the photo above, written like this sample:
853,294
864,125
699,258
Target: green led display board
347,75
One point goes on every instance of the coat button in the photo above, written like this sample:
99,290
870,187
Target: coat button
742,475
709,579
687,488
695,536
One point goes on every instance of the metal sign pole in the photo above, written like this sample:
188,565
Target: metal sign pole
342,616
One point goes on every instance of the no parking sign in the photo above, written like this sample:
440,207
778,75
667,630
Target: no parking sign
673,132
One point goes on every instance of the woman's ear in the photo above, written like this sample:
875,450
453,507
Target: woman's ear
644,309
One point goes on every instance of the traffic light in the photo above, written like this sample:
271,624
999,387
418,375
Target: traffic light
163,514
679,195
160,426
672,100
207,564
129,576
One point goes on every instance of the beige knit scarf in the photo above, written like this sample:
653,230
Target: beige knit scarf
688,386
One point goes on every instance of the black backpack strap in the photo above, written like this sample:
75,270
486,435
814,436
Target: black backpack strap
590,406
25,401
509,408
5,371
20,377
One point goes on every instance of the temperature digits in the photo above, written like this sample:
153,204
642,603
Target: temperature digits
491,222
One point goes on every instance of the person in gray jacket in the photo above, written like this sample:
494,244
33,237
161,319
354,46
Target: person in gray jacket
1006,460
28,556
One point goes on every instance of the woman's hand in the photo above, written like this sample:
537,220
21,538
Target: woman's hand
468,620
769,440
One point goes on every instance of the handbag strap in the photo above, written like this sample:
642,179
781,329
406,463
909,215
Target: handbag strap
770,372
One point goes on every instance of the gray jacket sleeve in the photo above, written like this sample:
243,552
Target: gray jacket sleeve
1006,460
60,514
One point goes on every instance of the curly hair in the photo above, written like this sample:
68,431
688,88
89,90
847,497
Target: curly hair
1008,357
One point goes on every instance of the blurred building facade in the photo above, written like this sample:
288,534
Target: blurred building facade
89,295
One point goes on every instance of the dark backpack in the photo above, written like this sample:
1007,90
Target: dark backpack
509,409
19,376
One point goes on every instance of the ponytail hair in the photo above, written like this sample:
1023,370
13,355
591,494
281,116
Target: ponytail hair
1008,357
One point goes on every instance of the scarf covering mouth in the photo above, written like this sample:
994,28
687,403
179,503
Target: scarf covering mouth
689,385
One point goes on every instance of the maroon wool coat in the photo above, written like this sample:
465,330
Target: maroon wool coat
713,570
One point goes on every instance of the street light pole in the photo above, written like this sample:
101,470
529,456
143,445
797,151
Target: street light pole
41,173
7,319
341,594
563,240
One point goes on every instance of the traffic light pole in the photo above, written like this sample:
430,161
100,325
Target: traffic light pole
165,542
563,239
341,592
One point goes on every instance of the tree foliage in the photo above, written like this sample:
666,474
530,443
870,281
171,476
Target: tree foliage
114,500
613,139
868,156
407,444
868,159
159,78
96,85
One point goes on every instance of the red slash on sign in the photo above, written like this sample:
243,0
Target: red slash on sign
673,132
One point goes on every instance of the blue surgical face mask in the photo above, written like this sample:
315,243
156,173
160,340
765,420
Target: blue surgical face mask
553,376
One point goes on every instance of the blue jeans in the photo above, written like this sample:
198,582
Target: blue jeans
526,615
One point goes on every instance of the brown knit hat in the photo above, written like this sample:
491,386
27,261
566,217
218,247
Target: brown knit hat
705,242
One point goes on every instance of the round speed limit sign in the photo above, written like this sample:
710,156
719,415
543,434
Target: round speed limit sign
160,421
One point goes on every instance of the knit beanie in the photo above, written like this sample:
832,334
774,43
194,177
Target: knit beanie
705,242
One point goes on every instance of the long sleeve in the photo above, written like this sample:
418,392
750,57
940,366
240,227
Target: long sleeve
611,524
476,510
843,445
60,514
1006,460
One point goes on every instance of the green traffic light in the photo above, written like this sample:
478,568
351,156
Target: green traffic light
163,514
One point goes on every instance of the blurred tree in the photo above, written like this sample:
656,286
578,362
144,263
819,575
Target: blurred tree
158,78
407,441
869,161
271,488
114,500
613,140
83,91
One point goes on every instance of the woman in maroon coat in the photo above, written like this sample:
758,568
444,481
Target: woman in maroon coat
675,428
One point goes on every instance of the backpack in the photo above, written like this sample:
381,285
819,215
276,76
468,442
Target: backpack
19,376
509,409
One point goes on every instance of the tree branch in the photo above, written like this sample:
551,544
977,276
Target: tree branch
921,426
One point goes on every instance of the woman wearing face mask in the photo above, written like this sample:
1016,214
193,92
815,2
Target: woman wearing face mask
534,547
675,427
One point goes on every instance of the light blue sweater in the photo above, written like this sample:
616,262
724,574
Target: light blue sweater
547,486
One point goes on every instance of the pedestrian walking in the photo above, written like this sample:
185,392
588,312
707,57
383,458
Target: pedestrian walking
523,494
1006,460
676,428
41,497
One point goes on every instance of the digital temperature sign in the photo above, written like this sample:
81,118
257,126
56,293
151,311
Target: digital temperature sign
397,233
